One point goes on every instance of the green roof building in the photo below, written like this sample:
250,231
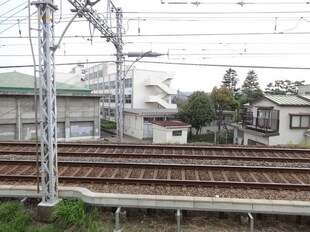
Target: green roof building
78,110
24,83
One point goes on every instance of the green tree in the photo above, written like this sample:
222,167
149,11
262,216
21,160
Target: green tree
197,111
230,81
223,100
280,87
250,89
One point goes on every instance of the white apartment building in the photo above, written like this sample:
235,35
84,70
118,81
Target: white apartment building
143,89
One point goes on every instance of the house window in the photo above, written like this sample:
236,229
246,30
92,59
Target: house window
177,133
300,121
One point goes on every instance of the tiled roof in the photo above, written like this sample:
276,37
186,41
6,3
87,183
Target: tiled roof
20,82
288,100
307,97
172,123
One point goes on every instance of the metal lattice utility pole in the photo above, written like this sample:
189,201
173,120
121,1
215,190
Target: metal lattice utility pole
119,76
47,91
102,25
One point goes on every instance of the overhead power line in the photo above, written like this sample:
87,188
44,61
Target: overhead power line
4,3
15,25
223,65
167,63
13,10
176,35
241,3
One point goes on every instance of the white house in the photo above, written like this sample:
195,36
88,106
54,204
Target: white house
144,90
138,123
170,132
275,120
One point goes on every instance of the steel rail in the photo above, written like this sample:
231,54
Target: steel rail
166,156
162,166
171,147
165,182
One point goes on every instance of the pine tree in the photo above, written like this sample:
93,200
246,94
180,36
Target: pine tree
230,81
250,89
283,87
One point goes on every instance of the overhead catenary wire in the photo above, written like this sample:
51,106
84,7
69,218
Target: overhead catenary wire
4,2
166,63
178,35
13,10
241,3
15,25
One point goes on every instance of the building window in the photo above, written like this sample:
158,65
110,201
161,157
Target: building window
127,98
177,133
299,121
112,84
148,119
106,98
128,83
101,73
112,98
106,113
112,112
105,85
159,118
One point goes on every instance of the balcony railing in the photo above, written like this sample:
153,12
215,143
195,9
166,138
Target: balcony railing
260,124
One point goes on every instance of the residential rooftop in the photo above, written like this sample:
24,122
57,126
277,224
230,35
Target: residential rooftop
288,100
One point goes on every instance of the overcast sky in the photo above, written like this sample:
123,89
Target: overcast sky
203,40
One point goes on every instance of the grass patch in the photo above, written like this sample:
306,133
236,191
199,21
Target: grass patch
72,214
68,215
14,218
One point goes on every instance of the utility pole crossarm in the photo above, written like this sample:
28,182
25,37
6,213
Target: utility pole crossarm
101,24
95,19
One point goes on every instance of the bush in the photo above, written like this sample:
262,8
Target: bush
105,124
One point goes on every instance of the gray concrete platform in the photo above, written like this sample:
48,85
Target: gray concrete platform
167,202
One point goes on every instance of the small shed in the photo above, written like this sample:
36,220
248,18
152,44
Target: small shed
170,132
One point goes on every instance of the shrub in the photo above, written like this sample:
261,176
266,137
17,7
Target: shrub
106,124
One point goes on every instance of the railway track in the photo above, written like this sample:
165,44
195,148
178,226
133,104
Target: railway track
164,152
165,174
156,165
